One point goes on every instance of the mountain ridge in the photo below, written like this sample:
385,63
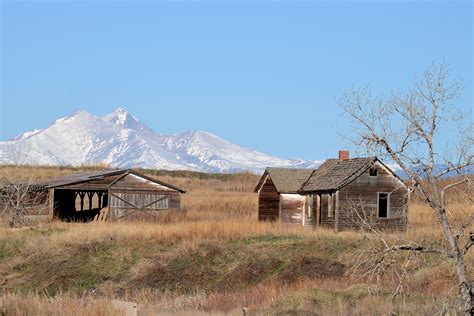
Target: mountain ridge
122,140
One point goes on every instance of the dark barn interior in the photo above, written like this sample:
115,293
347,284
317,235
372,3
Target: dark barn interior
78,206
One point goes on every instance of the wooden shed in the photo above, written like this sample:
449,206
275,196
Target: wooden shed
278,196
109,195
341,194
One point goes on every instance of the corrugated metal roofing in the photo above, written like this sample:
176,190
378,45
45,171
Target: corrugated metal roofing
79,177
105,177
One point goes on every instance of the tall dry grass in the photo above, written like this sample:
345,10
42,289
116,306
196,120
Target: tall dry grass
219,209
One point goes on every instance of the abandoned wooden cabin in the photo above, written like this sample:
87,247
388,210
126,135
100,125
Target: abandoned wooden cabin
278,196
108,196
342,193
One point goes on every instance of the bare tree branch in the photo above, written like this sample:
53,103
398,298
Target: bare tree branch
405,128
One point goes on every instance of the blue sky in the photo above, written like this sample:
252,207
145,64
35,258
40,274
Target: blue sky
262,74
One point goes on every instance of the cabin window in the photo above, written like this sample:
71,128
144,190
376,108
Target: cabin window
330,210
373,172
383,204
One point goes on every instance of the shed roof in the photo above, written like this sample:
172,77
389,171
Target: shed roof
100,179
286,180
78,177
334,173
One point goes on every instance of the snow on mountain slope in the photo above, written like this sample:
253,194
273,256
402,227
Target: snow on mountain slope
121,140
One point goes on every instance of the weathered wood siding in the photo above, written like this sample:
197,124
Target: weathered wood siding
292,206
311,210
268,201
127,204
362,195
133,197
327,218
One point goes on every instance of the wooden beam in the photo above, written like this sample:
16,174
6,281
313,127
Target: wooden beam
81,195
90,195
99,195
318,210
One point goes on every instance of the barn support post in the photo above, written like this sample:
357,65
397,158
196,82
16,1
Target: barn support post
108,196
99,199
51,202
90,195
81,195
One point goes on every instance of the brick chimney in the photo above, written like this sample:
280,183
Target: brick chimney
343,155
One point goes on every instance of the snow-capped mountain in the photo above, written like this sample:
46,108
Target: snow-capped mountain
121,140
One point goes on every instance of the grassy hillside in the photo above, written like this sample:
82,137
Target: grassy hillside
214,257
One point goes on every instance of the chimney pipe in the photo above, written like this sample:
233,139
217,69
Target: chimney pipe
343,155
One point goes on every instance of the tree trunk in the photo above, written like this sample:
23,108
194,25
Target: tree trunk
465,285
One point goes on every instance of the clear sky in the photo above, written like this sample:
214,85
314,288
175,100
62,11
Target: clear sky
262,74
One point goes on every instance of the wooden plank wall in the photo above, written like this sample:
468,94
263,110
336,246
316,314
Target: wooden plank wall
362,195
140,192
292,208
118,208
311,221
326,220
268,201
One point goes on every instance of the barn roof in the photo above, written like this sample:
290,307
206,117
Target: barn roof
78,177
334,173
100,179
286,180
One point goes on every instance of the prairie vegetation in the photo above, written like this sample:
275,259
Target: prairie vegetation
215,257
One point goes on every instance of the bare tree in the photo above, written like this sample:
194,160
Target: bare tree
19,196
18,199
406,129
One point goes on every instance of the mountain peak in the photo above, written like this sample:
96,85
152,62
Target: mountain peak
123,118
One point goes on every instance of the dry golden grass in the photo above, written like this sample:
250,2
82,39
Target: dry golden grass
14,304
219,212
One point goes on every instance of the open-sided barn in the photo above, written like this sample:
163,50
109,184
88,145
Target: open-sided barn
342,193
108,195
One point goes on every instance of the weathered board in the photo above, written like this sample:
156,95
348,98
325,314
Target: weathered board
268,201
360,198
131,205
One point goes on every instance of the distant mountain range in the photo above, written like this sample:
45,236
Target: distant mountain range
121,140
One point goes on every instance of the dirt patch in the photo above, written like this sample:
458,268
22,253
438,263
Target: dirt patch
312,267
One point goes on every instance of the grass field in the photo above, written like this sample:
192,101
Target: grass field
214,257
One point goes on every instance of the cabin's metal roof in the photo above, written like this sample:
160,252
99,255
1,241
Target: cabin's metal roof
78,177
334,173
286,180
107,179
